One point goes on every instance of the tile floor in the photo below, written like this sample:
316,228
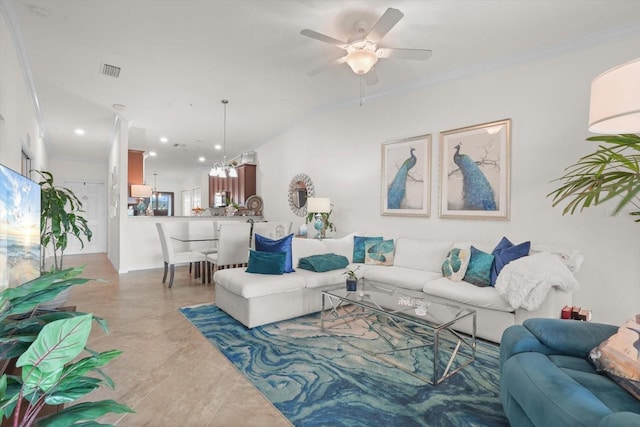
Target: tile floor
169,374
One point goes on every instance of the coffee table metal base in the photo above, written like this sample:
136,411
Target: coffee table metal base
342,310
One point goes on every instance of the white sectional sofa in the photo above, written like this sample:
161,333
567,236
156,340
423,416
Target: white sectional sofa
257,299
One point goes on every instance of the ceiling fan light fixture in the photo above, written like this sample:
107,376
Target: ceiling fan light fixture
361,61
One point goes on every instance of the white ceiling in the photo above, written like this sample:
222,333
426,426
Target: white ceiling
179,58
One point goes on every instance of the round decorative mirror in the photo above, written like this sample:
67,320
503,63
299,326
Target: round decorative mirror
300,189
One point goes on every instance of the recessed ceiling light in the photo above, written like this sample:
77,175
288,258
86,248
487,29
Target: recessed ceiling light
152,153
201,159
217,147
164,139
79,131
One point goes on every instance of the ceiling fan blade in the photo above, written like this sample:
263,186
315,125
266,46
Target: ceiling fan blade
321,68
417,54
371,77
323,38
386,22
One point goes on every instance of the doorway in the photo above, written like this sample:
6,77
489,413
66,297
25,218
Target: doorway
93,196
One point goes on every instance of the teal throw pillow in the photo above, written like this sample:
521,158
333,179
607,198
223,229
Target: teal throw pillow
504,253
378,252
456,263
266,262
358,246
265,244
479,269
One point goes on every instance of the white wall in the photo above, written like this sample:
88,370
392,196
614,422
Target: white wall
19,128
547,100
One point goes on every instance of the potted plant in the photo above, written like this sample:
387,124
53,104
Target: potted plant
328,225
352,279
59,218
45,345
612,171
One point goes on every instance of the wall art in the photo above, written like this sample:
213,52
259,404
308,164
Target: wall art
475,171
406,177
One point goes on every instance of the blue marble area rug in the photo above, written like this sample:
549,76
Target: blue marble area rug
322,378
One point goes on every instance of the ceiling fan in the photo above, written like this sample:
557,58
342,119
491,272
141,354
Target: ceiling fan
362,48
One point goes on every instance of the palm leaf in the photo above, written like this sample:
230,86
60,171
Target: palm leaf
611,172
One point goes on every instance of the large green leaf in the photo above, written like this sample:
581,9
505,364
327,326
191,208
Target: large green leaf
72,415
73,390
58,343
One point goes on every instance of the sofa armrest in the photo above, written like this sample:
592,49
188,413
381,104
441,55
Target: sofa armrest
620,419
569,337
518,339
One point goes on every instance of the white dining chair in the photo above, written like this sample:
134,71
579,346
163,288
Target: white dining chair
272,229
233,246
172,258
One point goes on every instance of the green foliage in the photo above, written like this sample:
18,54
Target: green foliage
351,274
47,346
611,172
59,218
328,225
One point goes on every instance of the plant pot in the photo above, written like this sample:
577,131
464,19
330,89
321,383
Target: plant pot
352,285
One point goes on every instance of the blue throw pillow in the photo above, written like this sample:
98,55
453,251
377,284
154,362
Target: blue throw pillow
266,262
359,243
506,252
479,269
266,244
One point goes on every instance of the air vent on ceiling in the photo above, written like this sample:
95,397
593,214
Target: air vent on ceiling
110,70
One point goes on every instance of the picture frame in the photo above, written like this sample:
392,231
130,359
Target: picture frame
406,192
475,167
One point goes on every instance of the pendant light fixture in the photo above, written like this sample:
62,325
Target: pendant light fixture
223,169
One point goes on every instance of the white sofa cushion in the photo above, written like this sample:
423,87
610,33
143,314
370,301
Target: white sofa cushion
249,285
400,277
464,292
320,280
421,254
306,247
342,246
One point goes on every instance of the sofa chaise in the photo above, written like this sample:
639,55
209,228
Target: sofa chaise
257,299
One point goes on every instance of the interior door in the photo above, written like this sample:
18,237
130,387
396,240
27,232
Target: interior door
93,196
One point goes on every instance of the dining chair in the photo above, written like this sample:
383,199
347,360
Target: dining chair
172,258
272,229
233,246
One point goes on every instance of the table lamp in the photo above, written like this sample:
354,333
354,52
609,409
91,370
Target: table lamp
319,206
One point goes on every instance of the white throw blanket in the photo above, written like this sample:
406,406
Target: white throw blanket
526,281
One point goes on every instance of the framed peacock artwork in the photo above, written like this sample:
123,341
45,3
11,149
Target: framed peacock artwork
475,171
406,177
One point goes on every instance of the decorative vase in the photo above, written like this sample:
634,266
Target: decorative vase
352,285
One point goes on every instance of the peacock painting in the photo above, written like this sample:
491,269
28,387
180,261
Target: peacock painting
477,193
397,188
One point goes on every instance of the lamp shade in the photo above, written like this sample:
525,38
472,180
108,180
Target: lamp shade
141,190
615,100
361,60
318,205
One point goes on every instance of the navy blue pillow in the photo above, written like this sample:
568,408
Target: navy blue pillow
266,262
506,252
359,242
479,269
266,244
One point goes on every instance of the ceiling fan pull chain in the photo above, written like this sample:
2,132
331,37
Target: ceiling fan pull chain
361,90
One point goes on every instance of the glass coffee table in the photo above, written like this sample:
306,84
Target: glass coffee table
402,328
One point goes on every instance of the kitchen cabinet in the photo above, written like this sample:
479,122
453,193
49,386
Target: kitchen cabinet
240,188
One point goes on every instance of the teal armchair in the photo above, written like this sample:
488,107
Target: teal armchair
546,378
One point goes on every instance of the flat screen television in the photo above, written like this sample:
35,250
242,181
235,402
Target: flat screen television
19,228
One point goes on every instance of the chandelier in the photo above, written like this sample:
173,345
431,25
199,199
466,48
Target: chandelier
224,169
